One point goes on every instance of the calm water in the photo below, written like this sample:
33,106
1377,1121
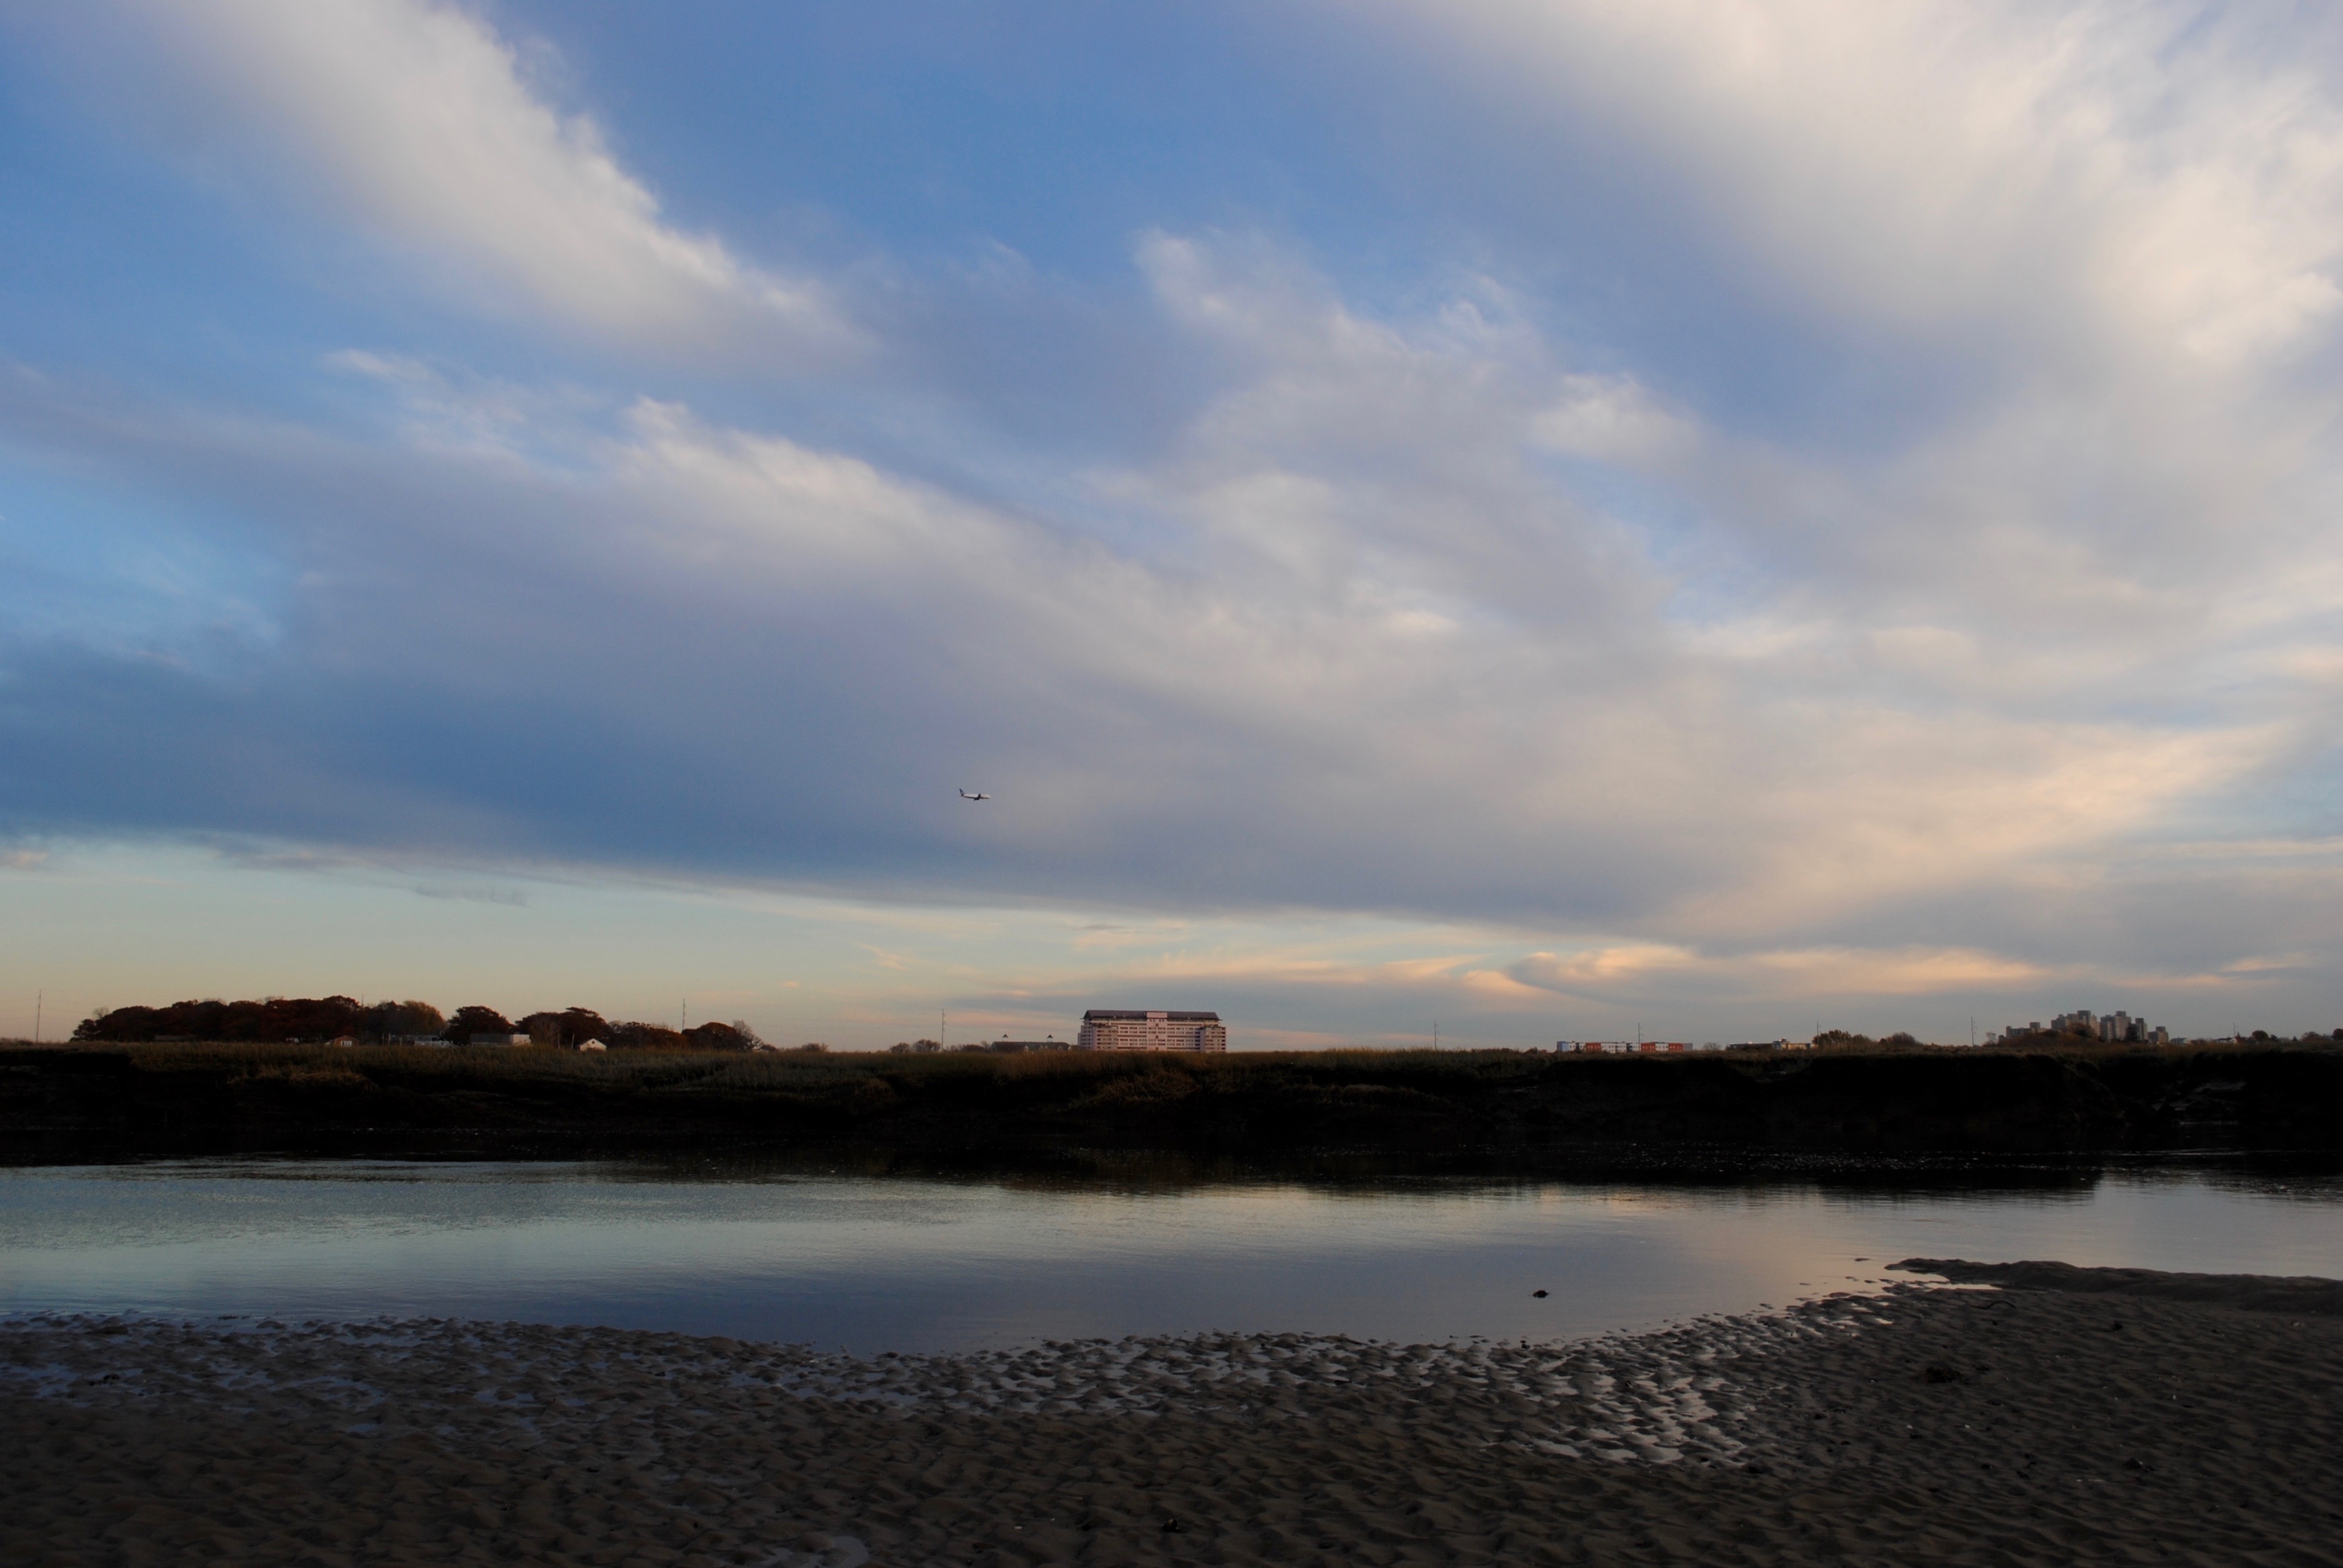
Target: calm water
892,1262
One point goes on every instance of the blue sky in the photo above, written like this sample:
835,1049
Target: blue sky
1558,519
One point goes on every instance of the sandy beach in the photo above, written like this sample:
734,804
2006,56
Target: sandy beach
2026,1414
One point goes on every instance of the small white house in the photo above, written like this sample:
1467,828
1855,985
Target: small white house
593,1045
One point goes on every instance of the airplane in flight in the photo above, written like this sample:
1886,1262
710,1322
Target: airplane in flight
980,794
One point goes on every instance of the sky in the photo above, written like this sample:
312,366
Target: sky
1532,519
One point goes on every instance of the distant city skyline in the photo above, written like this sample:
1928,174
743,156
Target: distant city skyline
1553,520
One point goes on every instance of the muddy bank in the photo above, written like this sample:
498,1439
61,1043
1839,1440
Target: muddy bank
2071,1419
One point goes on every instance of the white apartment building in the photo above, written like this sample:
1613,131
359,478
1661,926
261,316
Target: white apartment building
1117,1029
2114,1026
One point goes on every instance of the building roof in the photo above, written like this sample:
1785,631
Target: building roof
1112,1014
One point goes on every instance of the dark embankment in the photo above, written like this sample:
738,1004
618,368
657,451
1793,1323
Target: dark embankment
66,1103
2301,1294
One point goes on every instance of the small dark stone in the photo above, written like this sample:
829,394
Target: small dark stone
1539,1294
1939,1375
1173,1527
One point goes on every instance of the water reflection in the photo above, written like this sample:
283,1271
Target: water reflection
877,1250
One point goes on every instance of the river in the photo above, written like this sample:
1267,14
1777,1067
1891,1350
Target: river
934,1263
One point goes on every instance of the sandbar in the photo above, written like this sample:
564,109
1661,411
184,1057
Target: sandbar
1950,1414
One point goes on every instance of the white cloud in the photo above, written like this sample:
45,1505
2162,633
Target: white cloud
2103,241
455,410
511,898
1649,972
415,118
2162,172
1612,418
1404,671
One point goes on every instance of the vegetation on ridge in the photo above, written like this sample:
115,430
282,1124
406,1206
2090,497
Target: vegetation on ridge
303,1019
181,1096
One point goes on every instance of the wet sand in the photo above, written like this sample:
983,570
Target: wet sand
2035,1416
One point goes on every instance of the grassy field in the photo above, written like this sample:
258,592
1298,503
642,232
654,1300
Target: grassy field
189,1095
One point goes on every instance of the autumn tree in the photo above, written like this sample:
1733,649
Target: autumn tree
471,1020
408,1020
568,1028
270,1018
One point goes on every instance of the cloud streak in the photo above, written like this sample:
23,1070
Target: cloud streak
417,120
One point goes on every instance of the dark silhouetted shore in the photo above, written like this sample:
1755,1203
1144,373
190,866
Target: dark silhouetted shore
109,1102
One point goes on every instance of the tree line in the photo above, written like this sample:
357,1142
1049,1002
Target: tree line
292,1019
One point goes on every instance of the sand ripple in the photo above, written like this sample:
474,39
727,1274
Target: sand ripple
2072,1418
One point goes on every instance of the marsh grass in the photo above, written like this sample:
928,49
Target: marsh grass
529,1100
1116,1074
1103,1077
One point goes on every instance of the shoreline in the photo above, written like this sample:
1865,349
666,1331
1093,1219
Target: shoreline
1075,1167
77,1104
2057,1415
